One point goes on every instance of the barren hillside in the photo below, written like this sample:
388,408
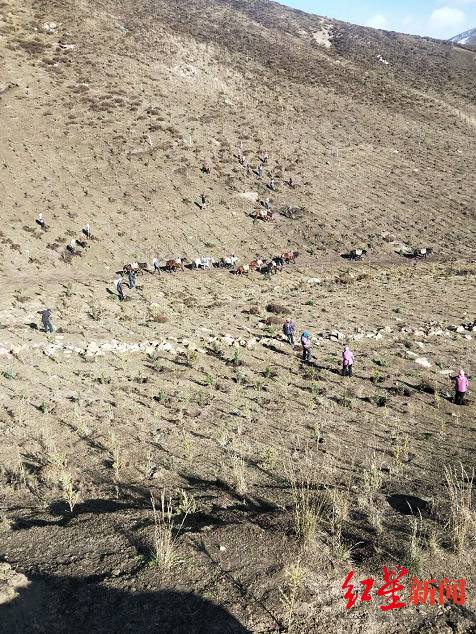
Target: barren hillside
278,477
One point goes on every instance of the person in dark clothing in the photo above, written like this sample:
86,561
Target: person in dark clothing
119,289
46,321
132,279
306,346
289,329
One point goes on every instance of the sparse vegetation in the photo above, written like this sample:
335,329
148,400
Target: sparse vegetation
461,519
70,492
277,309
294,577
166,533
239,471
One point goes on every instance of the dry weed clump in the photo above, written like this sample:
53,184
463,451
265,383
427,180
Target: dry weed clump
240,476
414,553
372,479
70,493
461,520
166,533
307,507
294,576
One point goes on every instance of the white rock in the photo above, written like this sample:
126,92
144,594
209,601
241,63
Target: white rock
423,361
49,27
10,582
253,196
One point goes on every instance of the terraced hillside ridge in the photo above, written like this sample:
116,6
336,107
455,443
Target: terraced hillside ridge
167,462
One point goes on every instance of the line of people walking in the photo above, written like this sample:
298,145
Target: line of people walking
461,382
289,330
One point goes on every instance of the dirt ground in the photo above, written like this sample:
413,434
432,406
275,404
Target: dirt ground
282,477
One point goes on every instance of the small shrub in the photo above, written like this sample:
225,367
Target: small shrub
70,493
9,374
210,380
269,458
310,374
380,400
376,377
240,377
215,349
344,401
44,407
236,360
277,309
95,312
161,397
191,357
187,504
272,321
270,373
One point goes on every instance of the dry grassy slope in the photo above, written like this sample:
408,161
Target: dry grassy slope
179,424
228,73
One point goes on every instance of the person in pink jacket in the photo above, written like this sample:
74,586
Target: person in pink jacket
461,387
347,361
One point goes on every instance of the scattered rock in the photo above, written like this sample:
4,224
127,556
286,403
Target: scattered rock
10,583
49,27
423,361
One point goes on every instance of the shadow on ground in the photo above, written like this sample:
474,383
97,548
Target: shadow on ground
73,605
